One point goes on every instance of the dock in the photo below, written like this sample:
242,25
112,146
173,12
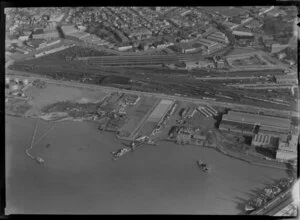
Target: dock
32,141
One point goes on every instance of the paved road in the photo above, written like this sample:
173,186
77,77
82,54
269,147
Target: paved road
227,78
179,98
257,86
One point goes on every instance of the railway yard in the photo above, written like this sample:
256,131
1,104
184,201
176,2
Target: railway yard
243,102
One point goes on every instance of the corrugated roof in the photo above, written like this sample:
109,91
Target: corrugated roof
262,120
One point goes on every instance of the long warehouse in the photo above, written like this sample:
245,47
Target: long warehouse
256,119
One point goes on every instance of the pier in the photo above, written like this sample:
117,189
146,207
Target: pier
32,140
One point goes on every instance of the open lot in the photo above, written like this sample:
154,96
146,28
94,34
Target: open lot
251,60
17,106
138,115
55,93
160,110
147,128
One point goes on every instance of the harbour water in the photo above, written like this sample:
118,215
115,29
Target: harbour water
80,177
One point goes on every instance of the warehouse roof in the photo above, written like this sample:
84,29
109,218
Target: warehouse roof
263,120
273,129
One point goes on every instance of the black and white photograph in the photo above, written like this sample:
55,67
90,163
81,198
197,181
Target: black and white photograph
151,110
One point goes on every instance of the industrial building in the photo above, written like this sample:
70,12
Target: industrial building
267,122
173,131
45,35
189,48
140,32
242,33
199,64
191,112
264,140
229,127
218,37
124,48
288,150
207,43
69,29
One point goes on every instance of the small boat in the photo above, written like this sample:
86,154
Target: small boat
202,165
39,160
121,152
249,207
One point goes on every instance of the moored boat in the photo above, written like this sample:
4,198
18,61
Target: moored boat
202,165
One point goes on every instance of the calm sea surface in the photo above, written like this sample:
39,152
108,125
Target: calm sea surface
79,177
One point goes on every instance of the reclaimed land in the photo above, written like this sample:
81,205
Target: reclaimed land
137,116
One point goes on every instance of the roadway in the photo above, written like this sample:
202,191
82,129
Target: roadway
163,96
228,78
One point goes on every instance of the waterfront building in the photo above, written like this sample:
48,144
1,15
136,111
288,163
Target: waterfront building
287,151
269,122
235,129
183,136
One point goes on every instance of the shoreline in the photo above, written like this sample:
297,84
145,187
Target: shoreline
227,152
86,156
220,149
